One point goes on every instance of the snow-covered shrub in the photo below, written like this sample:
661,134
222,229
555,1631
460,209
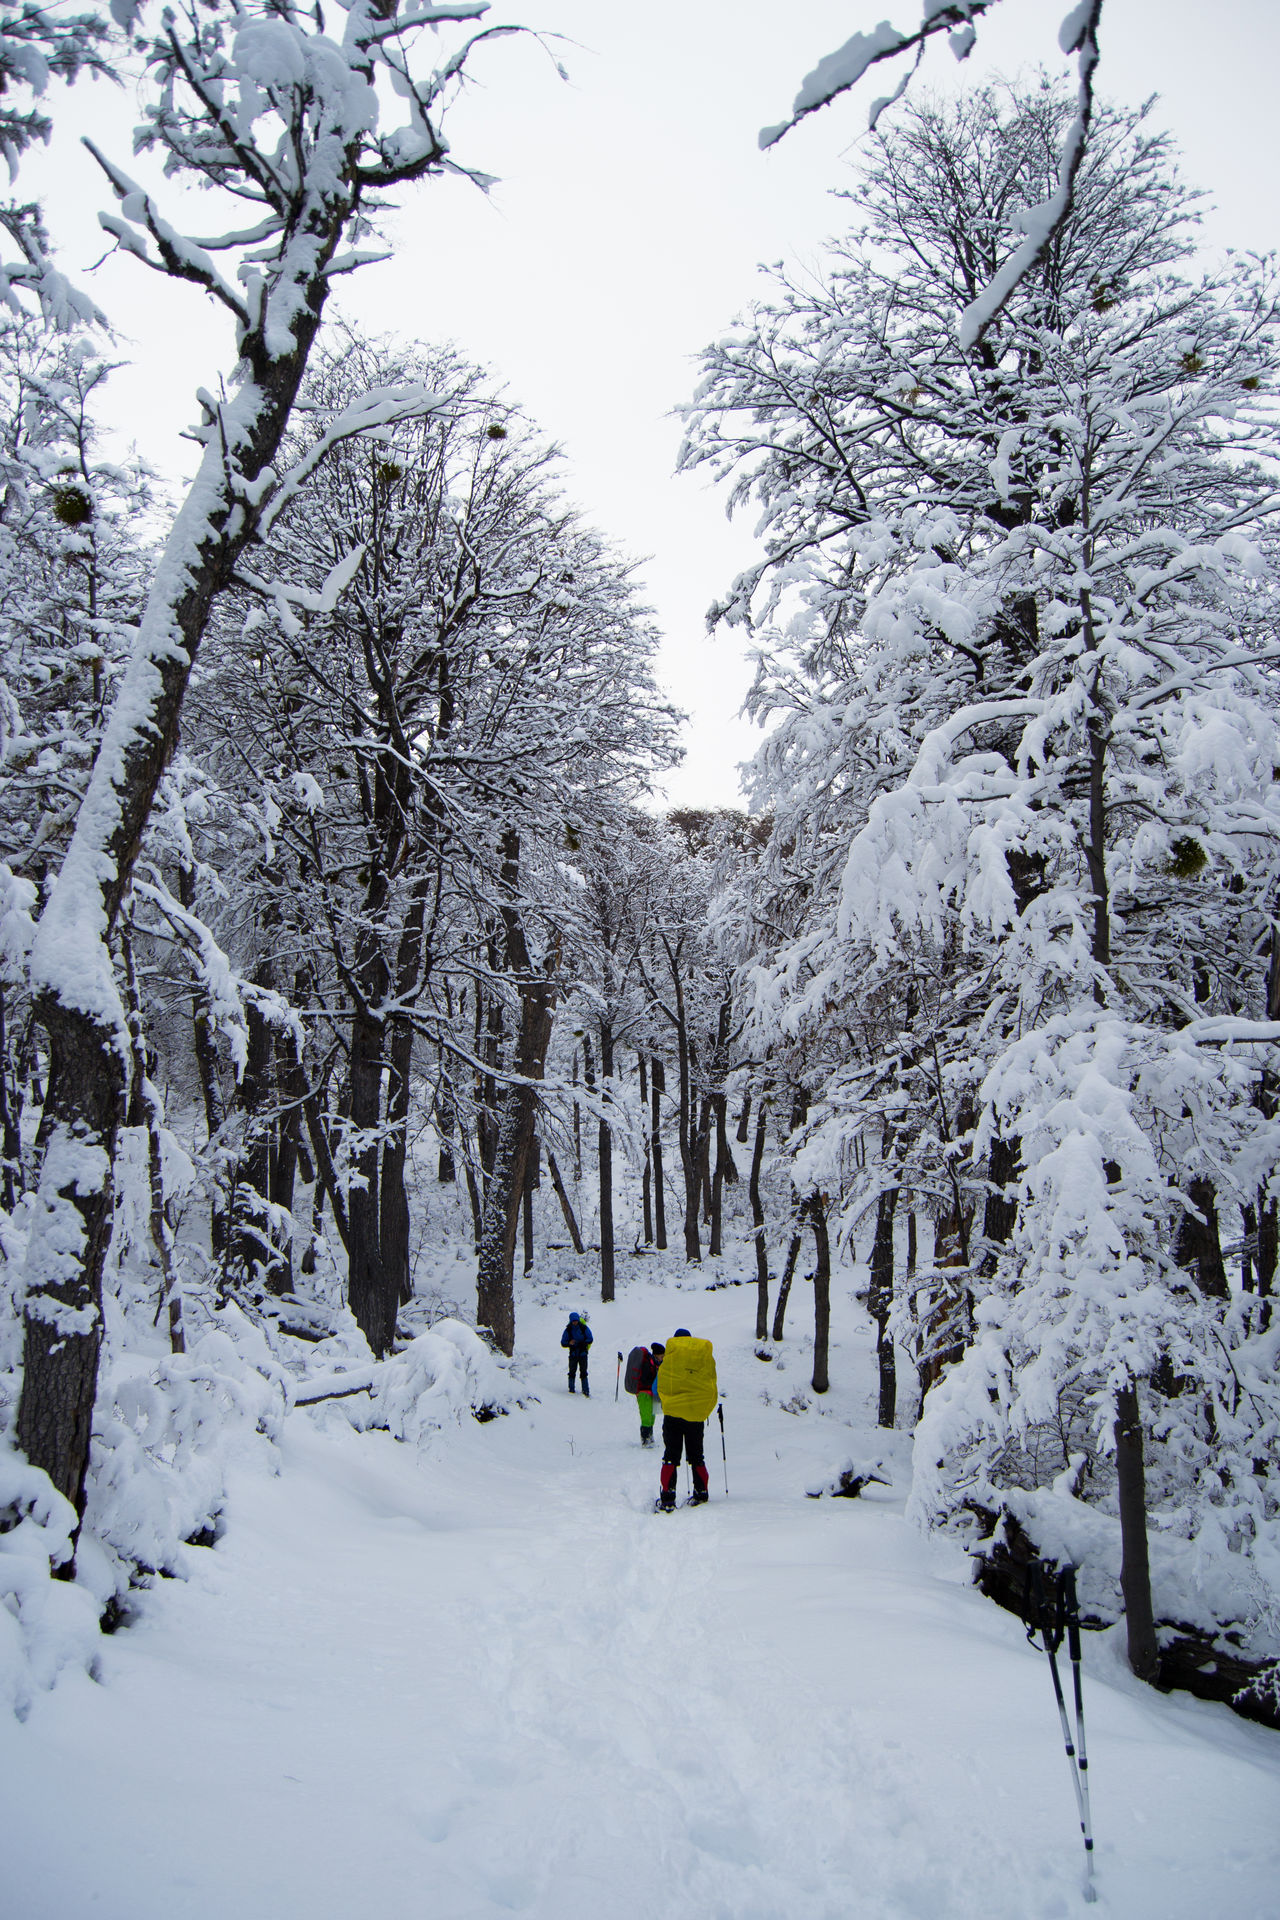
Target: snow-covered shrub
446,1374
46,1624
164,1430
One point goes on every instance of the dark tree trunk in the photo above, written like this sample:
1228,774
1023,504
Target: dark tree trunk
284,1167
63,1323
393,1200
566,1206
577,1125
1135,1572
495,1294
477,1206
446,1115
703,1156
606,1168
1000,1213
518,1108
724,1162
646,1178
206,1052
532,1180
821,1292
758,1222
145,1111
372,1293
880,1301
1199,1245
744,1120
9,1109
784,1285
688,1131
658,1086
253,1177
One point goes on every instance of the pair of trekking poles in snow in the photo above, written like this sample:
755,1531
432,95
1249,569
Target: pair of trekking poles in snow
719,1411
1053,1612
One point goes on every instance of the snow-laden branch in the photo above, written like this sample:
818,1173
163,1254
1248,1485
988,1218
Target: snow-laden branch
379,409
842,70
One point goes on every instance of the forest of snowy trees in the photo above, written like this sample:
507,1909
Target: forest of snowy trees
335,877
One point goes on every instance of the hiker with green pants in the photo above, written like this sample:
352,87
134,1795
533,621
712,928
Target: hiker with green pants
641,1375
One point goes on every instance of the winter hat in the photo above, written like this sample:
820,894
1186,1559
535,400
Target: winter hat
681,1333
573,1316
658,1346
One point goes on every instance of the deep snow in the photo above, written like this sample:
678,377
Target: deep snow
483,1678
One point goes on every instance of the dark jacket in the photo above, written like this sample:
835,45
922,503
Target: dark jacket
577,1335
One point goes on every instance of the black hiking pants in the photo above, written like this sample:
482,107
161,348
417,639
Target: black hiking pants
682,1437
578,1365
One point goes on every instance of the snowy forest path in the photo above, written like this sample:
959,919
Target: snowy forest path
489,1680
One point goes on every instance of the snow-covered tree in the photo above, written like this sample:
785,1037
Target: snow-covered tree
1017,602
271,113
840,71
423,745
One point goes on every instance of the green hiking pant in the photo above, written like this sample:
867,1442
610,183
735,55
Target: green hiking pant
645,1403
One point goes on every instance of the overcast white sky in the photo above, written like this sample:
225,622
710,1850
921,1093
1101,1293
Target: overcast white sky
632,211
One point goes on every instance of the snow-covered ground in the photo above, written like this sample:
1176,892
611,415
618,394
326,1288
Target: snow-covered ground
483,1678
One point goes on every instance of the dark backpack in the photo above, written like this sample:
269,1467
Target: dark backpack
638,1377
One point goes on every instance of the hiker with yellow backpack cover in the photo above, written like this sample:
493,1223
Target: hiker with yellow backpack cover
689,1392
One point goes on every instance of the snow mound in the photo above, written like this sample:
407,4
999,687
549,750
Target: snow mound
854,1473
444,1374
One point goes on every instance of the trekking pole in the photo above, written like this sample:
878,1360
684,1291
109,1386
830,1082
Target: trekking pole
1050,1630
1071,1607
723,1455
618,1381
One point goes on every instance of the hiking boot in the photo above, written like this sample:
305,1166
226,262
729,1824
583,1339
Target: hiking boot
699,1497
666,1503
646,1436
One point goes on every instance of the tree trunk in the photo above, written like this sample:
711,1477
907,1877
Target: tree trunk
646,1177
145,1111
1135,1572
880,1301
658,1086
531,1180
1000,1213
1199,1244
784,1285
758,1222
744,1119
518,1107
577,1125
10,1129
703,1155
284,1168
446,1116
566,1207
606,1167
723,1163
63,1319
206,1052
821,1292
253,1176
688,1141
373,1294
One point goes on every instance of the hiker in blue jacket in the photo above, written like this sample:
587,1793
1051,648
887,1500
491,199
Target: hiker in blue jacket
577,1336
